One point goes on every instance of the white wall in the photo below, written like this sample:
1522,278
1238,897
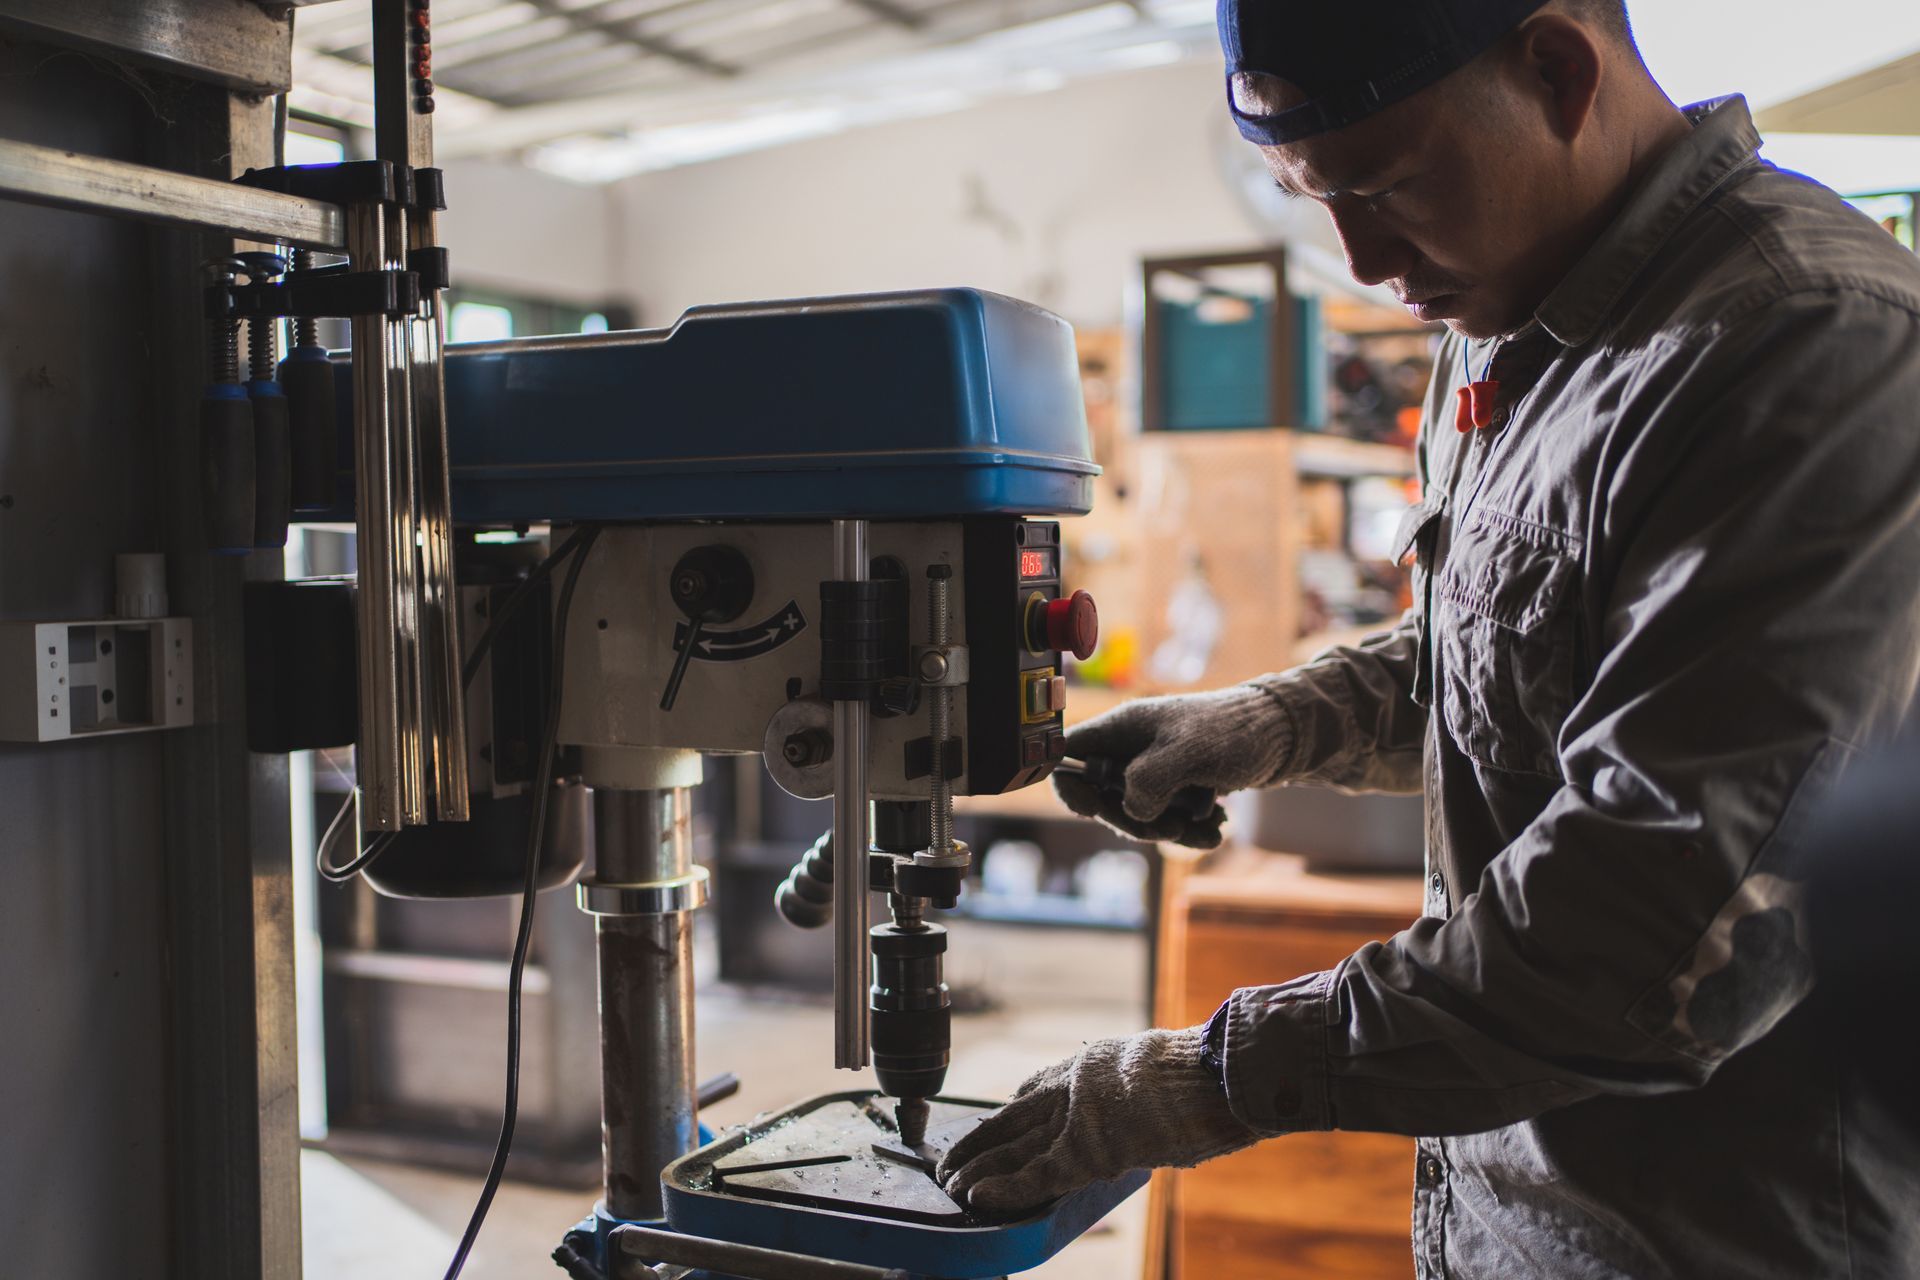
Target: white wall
1089,179
515,229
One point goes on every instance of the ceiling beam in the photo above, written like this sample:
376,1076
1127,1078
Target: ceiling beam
893,13
623,31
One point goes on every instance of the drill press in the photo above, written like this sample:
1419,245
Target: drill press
815,538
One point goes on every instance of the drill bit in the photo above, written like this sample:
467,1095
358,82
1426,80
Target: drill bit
911,1115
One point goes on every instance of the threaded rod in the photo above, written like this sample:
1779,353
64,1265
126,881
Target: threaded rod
223,351
263,349
306,330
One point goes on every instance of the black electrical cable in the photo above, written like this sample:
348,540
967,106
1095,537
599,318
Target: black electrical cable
543,783
508,607
375,847
520,595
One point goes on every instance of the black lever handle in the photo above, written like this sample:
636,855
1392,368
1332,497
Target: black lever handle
1108,774
672,692
227,468
312,424
709,584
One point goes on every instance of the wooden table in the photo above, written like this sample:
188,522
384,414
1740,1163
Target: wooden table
1330,1206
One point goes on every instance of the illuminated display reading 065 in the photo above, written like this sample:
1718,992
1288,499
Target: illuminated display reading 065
1035,564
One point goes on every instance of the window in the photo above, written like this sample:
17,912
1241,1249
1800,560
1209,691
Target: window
482,315
304,147
1894,212
479,322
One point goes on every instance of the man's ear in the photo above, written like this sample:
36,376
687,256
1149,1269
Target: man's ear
1562,64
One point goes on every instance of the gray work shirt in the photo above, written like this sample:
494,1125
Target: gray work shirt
1659,604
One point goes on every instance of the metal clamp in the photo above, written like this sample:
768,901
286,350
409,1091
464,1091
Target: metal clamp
655,898
957,854
942,666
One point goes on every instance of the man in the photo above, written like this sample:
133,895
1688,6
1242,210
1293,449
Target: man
1666,576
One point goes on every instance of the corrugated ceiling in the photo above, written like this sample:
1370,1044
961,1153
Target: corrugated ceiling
599,88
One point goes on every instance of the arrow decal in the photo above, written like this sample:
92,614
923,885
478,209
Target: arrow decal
748,642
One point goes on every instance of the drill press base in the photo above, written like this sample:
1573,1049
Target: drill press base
808,1180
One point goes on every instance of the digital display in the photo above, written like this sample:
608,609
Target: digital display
1035,564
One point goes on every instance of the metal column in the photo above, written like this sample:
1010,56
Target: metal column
852,905
643,893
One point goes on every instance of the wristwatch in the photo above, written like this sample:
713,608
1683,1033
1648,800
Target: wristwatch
1213,1048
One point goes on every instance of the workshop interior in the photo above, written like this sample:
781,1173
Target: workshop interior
548,552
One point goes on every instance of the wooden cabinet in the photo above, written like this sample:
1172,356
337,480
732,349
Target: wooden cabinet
1330,1206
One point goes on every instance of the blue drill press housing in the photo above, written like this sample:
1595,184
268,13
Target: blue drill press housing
942,403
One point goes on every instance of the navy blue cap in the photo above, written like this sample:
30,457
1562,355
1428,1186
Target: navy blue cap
1353,57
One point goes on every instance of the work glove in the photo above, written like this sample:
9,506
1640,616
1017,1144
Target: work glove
1174,751
1138,1102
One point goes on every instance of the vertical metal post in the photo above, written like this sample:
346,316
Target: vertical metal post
430,704
396,352
404,135
439,600
940,713
642,895
378,761
851,901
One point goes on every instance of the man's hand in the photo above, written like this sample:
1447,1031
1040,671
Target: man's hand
1140,1102
1223,741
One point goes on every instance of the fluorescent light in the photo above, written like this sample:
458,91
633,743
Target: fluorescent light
1182,13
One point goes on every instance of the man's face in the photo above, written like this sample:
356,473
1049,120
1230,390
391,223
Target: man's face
1453,198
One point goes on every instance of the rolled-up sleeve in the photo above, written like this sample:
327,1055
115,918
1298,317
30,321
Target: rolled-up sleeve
1754,607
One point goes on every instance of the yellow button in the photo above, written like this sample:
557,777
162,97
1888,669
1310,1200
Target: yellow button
1037,695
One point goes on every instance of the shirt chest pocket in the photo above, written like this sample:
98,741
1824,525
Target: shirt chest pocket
1505,637
1413,547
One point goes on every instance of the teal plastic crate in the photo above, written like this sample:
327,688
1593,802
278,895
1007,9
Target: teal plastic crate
1215,375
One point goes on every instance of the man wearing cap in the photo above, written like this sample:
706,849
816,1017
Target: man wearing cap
1666,578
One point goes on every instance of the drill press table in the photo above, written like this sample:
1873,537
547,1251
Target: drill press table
809,1180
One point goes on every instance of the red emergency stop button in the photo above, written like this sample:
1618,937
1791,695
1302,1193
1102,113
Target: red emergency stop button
1073,625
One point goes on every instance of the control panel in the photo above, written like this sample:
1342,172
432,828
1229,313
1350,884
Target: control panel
1021,624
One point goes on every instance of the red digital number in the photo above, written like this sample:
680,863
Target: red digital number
1033,564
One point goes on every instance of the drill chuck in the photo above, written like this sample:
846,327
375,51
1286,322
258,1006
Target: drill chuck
912,1011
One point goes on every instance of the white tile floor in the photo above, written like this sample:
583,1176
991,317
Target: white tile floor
1053,989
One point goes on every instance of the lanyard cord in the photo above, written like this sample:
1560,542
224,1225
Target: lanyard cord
1467,369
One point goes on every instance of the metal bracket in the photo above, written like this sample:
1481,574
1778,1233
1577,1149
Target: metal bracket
325,291
354,182
91,677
